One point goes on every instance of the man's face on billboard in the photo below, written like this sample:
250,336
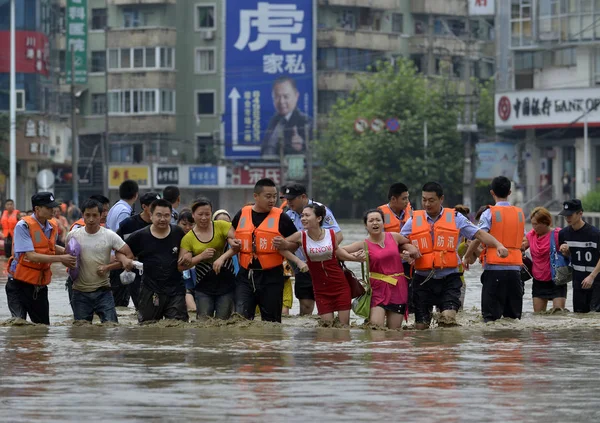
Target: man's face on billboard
285,98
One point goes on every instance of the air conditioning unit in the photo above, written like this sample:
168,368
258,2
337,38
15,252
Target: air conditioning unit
209,35
52,151
33,148
20,94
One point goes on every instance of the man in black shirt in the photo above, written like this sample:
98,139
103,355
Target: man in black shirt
581,241
128,227
260,279
162,294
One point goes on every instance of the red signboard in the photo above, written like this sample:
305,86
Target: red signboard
32,52
250,176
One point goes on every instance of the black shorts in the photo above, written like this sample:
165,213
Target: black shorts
501,294
153,307
443,293
547,290
396,308
303,286
262,288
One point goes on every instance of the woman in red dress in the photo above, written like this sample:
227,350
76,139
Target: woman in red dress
332,291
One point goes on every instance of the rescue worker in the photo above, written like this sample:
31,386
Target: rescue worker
436,231
9,220
581,242
398,209
261,280
502,291
35,250
297,201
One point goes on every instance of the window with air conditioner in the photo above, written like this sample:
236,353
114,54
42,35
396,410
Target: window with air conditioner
205,17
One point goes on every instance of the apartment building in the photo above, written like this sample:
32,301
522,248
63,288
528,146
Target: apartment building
548,91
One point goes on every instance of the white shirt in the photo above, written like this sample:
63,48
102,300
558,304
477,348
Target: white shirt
95,251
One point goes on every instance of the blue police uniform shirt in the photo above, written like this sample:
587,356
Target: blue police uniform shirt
117,213
465,228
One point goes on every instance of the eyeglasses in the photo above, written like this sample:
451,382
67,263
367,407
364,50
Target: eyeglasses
161,216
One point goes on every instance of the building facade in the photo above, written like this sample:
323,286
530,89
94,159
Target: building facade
154,104
548,62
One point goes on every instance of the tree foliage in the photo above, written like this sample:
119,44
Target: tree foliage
362,166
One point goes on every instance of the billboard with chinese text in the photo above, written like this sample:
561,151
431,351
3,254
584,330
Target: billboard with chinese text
269,80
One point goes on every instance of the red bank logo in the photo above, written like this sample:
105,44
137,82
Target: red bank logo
504,108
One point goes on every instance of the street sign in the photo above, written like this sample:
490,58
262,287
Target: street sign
77,23
167,175
392,124
45,179
361,125
377,125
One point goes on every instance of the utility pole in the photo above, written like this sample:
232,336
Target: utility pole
74,135
281,159
104,149
467,124
13,107
309,158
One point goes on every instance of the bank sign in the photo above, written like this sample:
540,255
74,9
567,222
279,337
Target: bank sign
269,80
547,108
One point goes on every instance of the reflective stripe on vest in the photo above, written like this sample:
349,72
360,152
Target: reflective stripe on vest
508,227
258,242
437,251
33,272
583,268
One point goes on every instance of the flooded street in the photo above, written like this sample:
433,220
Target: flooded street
542,368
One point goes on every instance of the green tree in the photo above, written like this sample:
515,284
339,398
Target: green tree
362,166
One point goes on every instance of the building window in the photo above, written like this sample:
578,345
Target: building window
98,61
205,152
140,102
133,18
521,27
327,99
141,58
167,101
126,152
205,17
98,104
347,59
397,22
98,19
205,103
205,60
65,103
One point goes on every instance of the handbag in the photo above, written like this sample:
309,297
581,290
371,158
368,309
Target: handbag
361,306
526,269
356,288
562,273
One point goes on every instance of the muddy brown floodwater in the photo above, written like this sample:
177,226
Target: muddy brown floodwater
542,368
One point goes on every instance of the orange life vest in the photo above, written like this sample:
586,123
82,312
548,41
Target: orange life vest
391,223
33,272
8,222
508,227
439,251
258,242
79,222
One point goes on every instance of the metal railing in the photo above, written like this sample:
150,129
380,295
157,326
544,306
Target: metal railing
542,198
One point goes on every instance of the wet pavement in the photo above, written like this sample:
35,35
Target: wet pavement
541,368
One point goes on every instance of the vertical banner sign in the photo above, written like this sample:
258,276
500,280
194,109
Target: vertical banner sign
77,18
269,81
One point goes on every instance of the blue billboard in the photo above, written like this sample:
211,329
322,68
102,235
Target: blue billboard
269,78
204,175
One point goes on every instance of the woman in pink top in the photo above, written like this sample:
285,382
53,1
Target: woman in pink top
388,283
538,242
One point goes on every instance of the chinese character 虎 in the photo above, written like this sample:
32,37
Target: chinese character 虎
274,22
272,63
